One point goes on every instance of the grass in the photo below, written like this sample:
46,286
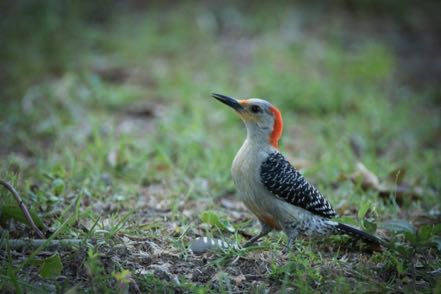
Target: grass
110,135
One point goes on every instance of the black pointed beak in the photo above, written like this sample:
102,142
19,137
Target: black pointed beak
233,103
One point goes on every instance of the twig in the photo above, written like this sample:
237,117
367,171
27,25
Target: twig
29,243
133,238
23,208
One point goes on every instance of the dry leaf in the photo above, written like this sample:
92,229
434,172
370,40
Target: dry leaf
399,191
239,279
367,178
393,185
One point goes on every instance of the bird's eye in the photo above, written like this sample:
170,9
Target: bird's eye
255,109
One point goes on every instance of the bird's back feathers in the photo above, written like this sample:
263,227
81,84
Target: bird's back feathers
286,183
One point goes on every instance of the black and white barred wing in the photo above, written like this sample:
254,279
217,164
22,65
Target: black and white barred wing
286,183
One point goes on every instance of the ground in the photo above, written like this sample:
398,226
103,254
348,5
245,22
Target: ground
109,134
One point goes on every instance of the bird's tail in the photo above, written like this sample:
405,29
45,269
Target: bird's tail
359,234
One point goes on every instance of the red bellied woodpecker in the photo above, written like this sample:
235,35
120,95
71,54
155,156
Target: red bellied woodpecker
271,188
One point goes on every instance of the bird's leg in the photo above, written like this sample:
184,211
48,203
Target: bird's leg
265,230
291,238
291,232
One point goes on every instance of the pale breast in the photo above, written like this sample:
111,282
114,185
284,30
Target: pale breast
246,175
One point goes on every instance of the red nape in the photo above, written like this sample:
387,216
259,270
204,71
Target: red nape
277,127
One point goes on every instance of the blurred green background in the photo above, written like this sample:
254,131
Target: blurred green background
106,105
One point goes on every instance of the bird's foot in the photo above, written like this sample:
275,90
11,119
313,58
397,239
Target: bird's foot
263,232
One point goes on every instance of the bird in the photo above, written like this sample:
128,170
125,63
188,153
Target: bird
279,196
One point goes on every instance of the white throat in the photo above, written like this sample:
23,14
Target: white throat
258,136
